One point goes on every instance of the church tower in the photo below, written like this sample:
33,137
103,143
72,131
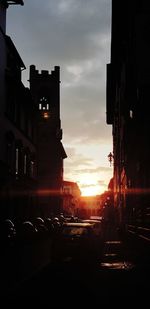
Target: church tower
45,90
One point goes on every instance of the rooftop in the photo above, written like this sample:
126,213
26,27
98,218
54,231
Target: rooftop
11,2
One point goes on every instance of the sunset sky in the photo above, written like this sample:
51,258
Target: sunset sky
75,35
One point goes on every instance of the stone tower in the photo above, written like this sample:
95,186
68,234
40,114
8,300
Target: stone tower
45,90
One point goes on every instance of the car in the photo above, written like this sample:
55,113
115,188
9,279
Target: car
7,232
27,232
40,225
98,218
76,241
97,226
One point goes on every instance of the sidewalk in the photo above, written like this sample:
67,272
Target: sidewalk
116,255
123,278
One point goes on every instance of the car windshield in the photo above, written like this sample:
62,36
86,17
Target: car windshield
74,231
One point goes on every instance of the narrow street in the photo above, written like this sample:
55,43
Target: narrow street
114,279
74,144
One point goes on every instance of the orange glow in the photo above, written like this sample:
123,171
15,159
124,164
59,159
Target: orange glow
41,192
48,192
86,190
45,115
136,191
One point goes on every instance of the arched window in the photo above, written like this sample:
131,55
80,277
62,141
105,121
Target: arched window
44,103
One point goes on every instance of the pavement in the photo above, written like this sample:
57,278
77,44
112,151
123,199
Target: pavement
125,269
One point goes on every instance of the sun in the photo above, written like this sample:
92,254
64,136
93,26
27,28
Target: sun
89,185
90,190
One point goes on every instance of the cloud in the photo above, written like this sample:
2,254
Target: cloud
83,167
76,160
63,32
98,169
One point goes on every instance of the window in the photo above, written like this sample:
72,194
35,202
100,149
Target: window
9,156
44,105
131,114
32,168
18,158
17,162
25,164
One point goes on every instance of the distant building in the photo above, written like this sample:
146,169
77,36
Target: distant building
45,90
90,206
71,198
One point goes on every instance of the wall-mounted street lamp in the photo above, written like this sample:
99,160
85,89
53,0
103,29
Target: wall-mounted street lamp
110,158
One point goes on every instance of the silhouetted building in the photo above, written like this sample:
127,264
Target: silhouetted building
17,148
128,95
31,152
45,90
6,3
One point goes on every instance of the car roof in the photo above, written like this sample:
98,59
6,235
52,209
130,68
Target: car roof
96,217
91,221
77,224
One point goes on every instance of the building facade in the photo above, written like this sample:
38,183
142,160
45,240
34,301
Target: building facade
71,198
128,95
17,144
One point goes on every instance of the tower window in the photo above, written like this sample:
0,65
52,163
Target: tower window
40,106
43,99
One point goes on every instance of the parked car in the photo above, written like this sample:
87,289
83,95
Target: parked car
97,226
7,232
76,241
40,225
27,232
49,224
